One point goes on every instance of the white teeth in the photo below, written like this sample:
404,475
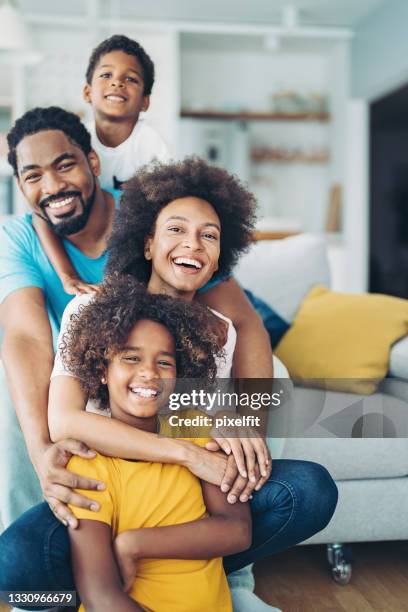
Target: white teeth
188,261
115,98
60,203
143,392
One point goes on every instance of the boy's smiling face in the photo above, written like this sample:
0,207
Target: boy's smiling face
185,247
117,87
142,375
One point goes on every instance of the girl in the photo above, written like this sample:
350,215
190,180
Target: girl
170,531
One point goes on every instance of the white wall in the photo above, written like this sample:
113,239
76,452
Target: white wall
380,51
60,77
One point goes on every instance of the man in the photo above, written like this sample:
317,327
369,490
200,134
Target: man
57,171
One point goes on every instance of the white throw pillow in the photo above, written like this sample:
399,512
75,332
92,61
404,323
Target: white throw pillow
399,359
282,272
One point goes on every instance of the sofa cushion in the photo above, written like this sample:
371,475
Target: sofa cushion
344,339
281,272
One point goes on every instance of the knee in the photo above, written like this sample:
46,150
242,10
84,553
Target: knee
317,493
10,575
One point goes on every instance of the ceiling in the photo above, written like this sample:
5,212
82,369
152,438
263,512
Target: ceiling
339,13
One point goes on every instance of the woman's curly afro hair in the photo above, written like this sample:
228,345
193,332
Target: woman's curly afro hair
100,329
158,184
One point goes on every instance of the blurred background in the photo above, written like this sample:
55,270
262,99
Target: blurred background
305,100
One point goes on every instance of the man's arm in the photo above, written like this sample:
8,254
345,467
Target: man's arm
253,353
27,354
96,573
28,357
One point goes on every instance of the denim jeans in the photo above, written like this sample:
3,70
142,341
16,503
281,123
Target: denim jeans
298,501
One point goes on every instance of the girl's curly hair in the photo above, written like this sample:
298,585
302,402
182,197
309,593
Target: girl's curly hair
100,329
158,184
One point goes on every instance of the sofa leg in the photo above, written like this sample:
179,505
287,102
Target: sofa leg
339,558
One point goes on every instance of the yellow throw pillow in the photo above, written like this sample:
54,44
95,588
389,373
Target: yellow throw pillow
345,337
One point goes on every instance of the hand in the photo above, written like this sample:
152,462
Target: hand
76,286
238,486
57,482
213,467
248,451
125,548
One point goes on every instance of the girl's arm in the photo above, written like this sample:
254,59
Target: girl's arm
96,573
226,531
54,249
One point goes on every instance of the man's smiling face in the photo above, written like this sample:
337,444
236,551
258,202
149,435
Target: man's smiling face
57,179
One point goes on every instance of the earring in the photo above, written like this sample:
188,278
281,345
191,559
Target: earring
103,380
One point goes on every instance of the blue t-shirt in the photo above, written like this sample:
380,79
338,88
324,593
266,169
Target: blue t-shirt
23,263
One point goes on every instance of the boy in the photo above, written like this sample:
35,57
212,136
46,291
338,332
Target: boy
119,81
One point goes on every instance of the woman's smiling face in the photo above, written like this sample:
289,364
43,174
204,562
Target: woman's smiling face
185,247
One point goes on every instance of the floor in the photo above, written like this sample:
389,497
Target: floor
299,580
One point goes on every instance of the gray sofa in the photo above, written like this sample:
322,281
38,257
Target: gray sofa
355,437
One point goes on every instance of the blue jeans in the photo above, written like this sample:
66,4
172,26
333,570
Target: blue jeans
298,501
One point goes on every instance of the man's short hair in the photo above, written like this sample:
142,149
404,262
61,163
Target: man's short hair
118,42
42,119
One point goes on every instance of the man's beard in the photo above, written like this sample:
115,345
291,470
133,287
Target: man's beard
69,226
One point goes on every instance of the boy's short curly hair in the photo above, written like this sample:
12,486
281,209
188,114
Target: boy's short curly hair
158,184
100,329
119,42
49,118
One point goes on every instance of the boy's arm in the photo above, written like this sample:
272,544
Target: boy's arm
96,573
55,251
253,353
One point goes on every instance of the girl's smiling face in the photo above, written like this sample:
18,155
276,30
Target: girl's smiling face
185,247
142,375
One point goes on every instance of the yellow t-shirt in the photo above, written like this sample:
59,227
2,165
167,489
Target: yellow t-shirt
140,494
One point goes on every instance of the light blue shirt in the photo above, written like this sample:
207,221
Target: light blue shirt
23,263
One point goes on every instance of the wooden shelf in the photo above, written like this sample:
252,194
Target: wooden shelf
272,235
225,116
299,159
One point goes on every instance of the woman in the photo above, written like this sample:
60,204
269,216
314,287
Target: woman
178,227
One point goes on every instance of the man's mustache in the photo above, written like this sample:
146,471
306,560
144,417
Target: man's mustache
59,196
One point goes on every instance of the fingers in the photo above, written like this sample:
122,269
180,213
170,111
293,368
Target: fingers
71,480
88,289
261,482
75,447
223,443
63,495
261,453
213,446
62,513
237,451
241,490
230,475
250,457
